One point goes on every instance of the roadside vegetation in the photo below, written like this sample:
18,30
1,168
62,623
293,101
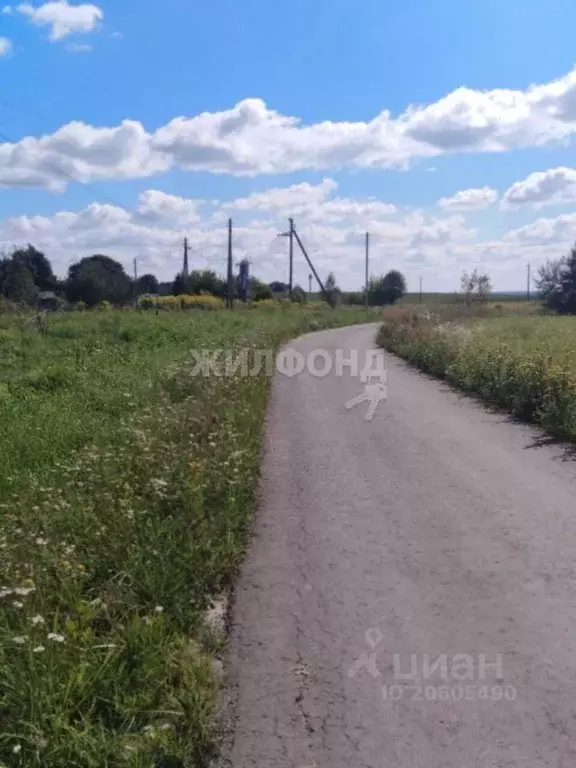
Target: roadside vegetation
518,355
126,492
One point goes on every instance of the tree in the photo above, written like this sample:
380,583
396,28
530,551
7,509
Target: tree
557,284
147,284
41,269
298,294
332,293
98,278
475,287
179,285
386,289
17,283
278,287
205,281
260,290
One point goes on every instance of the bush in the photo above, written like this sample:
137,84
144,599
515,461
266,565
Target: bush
387,289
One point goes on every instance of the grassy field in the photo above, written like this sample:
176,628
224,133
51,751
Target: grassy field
454,298
511,356
125,495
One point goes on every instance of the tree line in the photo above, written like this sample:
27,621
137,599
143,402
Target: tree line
27,277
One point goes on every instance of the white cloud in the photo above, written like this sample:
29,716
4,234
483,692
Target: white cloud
469,199
558,231
7,10
5,47
78,47
153,232
80,152
156,206
251,139
556,186
289,200
62,18
316,202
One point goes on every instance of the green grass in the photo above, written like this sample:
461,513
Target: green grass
453,298
524,363
126,492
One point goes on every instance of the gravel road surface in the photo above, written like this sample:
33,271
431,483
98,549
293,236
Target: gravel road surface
409,599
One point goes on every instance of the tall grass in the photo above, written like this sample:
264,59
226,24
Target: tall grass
526,364
126,491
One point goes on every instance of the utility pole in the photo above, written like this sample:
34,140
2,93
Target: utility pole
367,259
420,290
185,268
320,283
230,296
135,270
310,285
529,283
291,256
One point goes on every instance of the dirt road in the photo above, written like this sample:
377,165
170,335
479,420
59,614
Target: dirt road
409,599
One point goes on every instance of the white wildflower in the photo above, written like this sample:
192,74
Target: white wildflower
20,640
37,619
56,638
16,749
17,605
159,609
41,542
38,649
23,591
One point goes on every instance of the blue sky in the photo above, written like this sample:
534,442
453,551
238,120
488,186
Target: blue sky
290,99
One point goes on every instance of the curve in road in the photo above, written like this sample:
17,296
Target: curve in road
409,598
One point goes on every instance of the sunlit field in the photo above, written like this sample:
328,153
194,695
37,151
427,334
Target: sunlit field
511,356
126,490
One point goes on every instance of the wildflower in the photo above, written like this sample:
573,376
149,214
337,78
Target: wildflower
41,542
38,649
23,591
20,640
37,620
5,592
17,748
17,605
56,638
159,609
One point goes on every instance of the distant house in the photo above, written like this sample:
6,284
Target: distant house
47,300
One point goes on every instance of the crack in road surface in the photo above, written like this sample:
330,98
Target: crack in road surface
409,598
